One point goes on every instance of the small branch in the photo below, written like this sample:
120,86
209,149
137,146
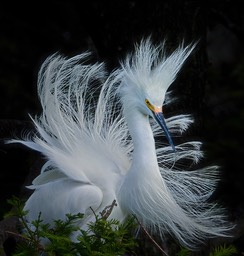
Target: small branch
107,210
8,224
151,238
19,236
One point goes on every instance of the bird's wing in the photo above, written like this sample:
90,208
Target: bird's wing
68,197
46,177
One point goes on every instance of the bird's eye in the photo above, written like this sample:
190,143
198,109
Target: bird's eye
149,105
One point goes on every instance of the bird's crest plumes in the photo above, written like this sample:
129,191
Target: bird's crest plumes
151,70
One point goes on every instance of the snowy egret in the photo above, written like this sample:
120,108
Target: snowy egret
100,146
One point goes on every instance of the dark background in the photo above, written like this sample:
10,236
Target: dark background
210,86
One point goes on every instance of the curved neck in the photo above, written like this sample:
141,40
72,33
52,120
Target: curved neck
144,155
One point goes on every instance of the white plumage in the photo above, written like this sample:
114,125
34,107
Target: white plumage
97,133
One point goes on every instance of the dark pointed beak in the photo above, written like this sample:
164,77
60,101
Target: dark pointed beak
159,117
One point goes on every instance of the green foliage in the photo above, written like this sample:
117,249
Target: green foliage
103,237
224,251
183,252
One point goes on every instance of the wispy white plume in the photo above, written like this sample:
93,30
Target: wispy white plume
97,135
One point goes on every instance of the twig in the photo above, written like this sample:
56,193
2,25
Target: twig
19,236
107,210
150,237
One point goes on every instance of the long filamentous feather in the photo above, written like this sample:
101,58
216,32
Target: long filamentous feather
84,136
74,128
177,202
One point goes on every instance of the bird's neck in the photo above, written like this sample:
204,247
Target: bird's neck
144,155
143,191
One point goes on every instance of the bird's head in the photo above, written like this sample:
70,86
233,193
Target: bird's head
147,74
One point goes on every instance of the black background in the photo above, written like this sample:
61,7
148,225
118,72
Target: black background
211,86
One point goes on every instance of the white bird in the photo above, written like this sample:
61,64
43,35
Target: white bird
100,146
